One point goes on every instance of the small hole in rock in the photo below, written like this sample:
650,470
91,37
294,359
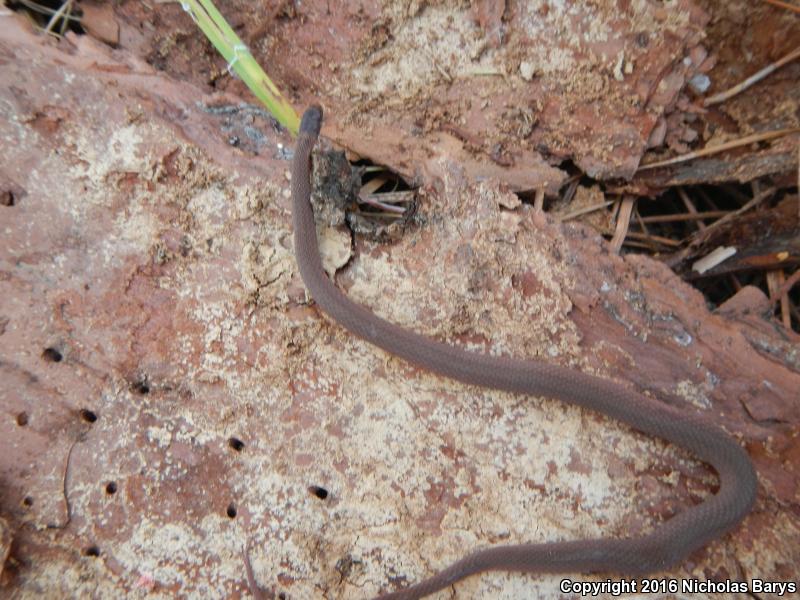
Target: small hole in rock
7,198
141,387
236,444
319,492
231,512
111,488
52,355
22,419
88,416
27,501
92,551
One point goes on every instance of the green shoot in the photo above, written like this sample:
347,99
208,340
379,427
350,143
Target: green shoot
227,43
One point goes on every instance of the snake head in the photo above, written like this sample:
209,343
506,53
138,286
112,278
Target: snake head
311,122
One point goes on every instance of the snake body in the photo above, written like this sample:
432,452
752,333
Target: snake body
668,544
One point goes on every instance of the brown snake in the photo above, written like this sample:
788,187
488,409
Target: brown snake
668,544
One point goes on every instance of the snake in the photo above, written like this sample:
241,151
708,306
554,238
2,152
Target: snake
667,545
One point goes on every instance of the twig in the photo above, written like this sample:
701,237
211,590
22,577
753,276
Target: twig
787,286
785,5
46,10
687,202
639,221
655,238
394,197
698,237
538,201
572,186
65,8
775,281
653,247
584,210
643,226
635,235
749,139
398,210
367,195
623,222
719,222
755,78
696,216
376,215
633,244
